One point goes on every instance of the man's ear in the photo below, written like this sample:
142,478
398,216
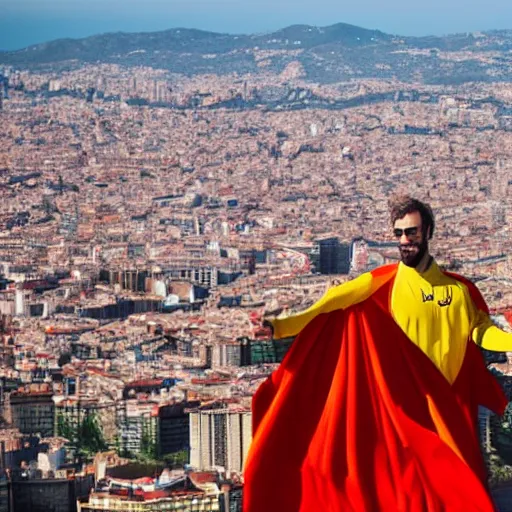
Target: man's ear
429,233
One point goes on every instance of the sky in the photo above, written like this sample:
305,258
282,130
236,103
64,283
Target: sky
27,22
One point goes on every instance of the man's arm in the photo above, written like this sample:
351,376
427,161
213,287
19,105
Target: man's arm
338,297
488,336
484,333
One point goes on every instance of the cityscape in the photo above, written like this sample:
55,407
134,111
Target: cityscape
153,216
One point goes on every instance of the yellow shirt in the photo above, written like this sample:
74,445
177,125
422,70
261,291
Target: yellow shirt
434,310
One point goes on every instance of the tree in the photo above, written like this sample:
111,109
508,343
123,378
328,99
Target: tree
177,459
65,429
498,471
148,446
90,436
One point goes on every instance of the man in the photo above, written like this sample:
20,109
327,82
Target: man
374,407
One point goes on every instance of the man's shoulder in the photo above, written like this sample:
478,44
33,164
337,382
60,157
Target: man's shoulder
459,278
472,289
384,270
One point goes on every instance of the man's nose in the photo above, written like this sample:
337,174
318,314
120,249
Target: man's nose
404,240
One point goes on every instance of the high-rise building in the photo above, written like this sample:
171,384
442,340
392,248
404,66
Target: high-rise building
174,428
220,438
334,257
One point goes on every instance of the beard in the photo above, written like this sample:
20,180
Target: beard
413,253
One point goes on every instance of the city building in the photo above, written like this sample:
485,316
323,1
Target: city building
33,412
58,493
220,438
174,428
334,257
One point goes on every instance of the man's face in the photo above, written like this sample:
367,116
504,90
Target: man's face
412,242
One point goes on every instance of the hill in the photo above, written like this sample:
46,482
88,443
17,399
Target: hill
329,54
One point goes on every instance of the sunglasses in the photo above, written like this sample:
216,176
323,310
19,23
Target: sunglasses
408,232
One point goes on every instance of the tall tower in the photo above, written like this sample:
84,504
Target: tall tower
499,186
19,302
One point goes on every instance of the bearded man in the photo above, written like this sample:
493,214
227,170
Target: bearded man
374,408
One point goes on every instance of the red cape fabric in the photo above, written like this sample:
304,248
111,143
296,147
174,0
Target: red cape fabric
508,316
358,419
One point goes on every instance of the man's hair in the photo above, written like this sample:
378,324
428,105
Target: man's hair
400,206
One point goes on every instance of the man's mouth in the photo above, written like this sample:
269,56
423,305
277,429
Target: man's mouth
412,252
408,248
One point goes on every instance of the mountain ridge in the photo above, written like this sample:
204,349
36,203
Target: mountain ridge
332,53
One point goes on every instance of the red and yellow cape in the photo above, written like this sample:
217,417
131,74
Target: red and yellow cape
358,419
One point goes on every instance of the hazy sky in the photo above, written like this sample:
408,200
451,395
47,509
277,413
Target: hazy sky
25,22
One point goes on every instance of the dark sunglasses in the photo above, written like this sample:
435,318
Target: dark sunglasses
408,232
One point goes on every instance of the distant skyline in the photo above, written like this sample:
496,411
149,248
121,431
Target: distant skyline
27,22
